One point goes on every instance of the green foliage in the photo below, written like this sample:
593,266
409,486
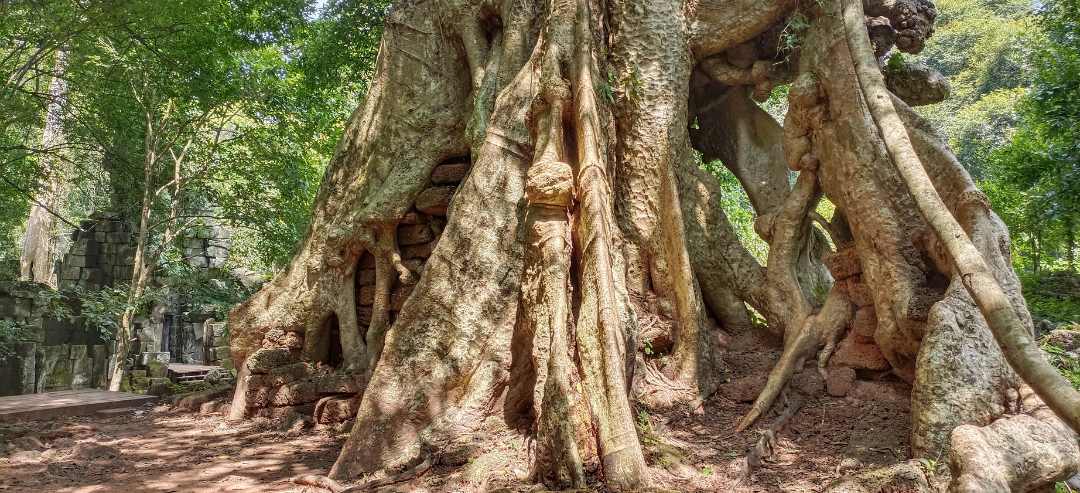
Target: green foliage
1054,296
1067,363
1034,180
736,205
102,309
276,79
792,34
983,48
11,332
208,291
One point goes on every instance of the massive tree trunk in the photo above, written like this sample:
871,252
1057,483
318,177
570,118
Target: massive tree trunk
515,228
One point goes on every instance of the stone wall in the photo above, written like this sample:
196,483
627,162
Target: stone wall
52,354
102,254
64,354
857,367
216,341
417,234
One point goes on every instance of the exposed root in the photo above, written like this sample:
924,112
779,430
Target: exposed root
387,264
656,390
320,482
336,487
766,444
354,350
823,327
549,188
602,340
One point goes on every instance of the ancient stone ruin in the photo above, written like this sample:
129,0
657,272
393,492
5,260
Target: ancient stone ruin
53,353
66,353
288,375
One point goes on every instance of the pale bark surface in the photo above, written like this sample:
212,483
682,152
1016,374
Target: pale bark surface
37,262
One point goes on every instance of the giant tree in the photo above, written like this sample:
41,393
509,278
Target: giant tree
584,235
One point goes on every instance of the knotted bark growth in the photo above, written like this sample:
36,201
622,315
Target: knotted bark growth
584,265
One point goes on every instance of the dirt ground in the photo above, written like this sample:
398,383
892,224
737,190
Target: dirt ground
157,449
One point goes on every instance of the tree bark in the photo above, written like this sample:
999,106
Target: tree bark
37,261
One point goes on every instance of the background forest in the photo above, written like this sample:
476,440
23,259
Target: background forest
177,114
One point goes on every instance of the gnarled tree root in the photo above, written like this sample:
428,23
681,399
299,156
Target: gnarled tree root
1015,341
1014,453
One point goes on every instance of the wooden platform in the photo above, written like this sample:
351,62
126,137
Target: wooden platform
65,403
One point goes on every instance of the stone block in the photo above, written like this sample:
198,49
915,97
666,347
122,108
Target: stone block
199,262
219,341
293,340
337,382
216,328
17,373
84,248
139,383
858,355
137,373
217,251
295,393
92,276
435,200
843,263
121,273
24,309
414,234
100,356
125,255
263,360
119,237
157,369
282,375
864,324
398,297
449,173
82,369
413,217
336,409
420,251
149,357
839,381
220,353
365,296
101,236
54,368
159,386
79,260
78,351
7,304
